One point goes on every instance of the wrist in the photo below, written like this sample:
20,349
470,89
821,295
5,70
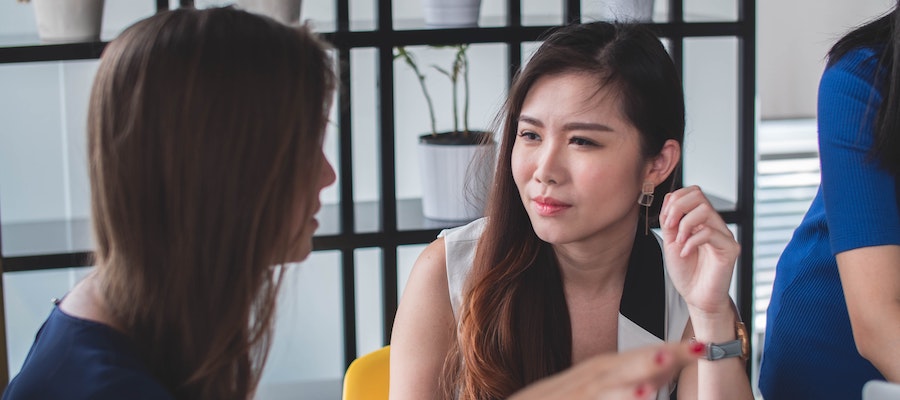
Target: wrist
713,327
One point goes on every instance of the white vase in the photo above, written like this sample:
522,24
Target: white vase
455,180
284,11
68,20
630,10
451,13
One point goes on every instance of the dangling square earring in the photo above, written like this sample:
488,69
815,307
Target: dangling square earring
646,200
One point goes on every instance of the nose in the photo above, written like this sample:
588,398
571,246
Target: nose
549,169
327,176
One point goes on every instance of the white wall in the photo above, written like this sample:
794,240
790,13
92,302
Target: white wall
793,38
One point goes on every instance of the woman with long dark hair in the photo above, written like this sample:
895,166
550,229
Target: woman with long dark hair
205,133
563,267
834,317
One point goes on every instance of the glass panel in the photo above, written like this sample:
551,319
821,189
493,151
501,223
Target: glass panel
406,258
43,166
528,49
307,350
28,301
331,194
641,10
425,14
365,127
487,82
363,15
369,304
710,10
710,150
321,14
541,12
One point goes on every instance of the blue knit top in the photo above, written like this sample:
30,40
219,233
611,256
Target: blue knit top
809,349
77,359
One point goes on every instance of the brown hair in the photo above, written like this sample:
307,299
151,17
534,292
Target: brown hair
205,132
514,323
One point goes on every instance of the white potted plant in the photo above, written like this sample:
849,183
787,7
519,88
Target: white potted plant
451,13
61,21
455,166
630,10
284,11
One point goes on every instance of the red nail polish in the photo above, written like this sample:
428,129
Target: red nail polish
660,357
698,348
641,391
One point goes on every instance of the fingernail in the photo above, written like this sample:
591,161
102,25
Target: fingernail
698,348
660,357
641,391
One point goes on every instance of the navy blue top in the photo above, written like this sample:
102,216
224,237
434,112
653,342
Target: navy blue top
73,358
809,348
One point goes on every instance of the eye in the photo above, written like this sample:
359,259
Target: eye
578,141
529,135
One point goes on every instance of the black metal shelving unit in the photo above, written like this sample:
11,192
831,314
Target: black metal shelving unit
389,223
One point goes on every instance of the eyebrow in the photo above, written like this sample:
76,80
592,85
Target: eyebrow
571,126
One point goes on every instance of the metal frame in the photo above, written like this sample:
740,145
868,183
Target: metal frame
388,238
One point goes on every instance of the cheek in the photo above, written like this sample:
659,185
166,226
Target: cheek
521,171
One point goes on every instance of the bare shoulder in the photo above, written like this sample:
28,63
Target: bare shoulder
429,273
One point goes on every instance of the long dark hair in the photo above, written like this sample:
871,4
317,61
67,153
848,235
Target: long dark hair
882,33
514,324
204,135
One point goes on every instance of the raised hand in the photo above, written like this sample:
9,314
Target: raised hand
700,251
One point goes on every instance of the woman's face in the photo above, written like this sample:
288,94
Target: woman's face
577,161
309,225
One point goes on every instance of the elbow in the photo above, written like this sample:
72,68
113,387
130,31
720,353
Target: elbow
867,336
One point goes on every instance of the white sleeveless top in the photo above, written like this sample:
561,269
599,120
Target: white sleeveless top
642,321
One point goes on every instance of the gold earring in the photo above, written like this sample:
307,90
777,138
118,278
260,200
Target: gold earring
646,200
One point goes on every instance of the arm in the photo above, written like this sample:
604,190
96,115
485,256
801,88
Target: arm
861,211
423,328
871,280
700,254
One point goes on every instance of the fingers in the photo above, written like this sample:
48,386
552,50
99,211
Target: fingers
634,374
688,219
639,373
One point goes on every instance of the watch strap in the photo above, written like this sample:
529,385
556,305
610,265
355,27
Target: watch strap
739,347
717,351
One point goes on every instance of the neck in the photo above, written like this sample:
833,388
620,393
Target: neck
595,269
86,301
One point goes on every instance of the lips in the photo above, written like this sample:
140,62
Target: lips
548,206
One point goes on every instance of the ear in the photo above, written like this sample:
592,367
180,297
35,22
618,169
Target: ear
661,166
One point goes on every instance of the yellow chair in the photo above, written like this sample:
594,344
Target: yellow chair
368,377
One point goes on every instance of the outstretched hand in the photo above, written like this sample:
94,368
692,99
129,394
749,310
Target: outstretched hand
700,250
634,374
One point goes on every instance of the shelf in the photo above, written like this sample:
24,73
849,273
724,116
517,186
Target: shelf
68,243
18,49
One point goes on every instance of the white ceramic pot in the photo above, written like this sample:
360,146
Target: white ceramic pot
284,11
68,20
455,180
451,13
630,10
